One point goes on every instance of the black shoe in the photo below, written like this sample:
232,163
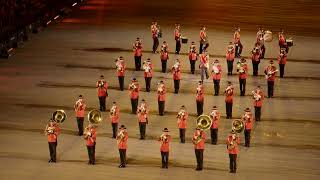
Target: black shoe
50,161
163,166
198,169
166,167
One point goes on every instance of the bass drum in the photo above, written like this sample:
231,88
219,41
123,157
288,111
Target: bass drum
268,36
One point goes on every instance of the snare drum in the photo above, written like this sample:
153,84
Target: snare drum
289,42
184,40
267,36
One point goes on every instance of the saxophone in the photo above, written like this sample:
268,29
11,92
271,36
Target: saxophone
256,96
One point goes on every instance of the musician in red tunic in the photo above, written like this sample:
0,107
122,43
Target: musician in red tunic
177,37
79,108
199,139
142,118
155,30
52,131
165,139
237,42
122,141
229,100
270,73
114,117
282,61
258,97
148,72
137,49
204,65
230,55
216,76
176,74
243,74
215,117
248,120
182,120
200,98
102,87
255,57
203,39
164,56
193,56
90,136
233,141
161,97
121,68
134,89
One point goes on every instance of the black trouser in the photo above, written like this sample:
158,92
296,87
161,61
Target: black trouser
216,86
164,65
155,44
201,47
230,67
199,156
134,105
142,128
53,150
123,157
229,110
214,136
137,61
102,101
270,88
199,107
281,67
114,129
238,49
161,107
192,66
255,67
242,83
121,82
233,162
80,125
176,86
182,133
148,82
257,113
165,159
263,51
178,46
247,137
91,153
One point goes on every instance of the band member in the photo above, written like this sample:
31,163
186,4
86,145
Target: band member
247,118
215,117
90,135
282,39
255,57
102,92
79,108
237,43
121,67
193,57
137,49
155,30
122,139
203,39
270,73
243,73
134,89
114,116
177,37
182,120
143,118
165,139
200,98
198,139
260,42
233,142
204,65
161,97
282,61
229,100
216,76
258,97
148,71
230,55
176,73
52,131
164,56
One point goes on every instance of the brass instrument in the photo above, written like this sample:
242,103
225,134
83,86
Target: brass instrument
59,116
133,86
49,130
256,96
160,88
181,114
204,122
79,105
120,136
142,109
119,65
100,84
229,90
163,138
213,114
197,139
113,110
215,69
239,64
175,67
87,133
232,144
94,117
192,49
146,67
268,37
237,125
270,73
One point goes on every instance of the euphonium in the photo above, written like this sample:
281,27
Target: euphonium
59,116
204,122
94,117
237,125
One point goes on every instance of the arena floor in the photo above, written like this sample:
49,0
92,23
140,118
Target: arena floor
65,60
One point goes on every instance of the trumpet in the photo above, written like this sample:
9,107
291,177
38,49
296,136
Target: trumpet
213,114
142,110
79,105
119,66
232,144
256,96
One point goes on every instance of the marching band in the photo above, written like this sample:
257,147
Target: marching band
233,51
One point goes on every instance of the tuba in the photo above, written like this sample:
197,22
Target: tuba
59,116
94,117
237,125
204,122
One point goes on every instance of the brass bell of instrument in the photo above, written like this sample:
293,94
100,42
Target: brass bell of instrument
59,116
94,116
237,126
204,122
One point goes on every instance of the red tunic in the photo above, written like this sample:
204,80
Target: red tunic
183,120
282,59
245,73
230,56
216,76
164,56
248,119
273,76
200,145
54,136
229,96
203,59
134,93
255,57
115,117
176,73
200,94
149,73
92,139
123,143
162,95
259,102
142,116
102,91
215,120
165,146
282,39
79,108
234,150
121,72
